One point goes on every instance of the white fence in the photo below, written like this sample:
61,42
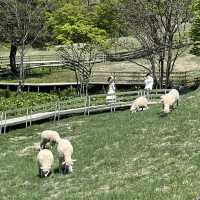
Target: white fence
79,105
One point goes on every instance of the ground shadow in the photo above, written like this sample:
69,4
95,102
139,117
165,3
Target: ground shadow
56,170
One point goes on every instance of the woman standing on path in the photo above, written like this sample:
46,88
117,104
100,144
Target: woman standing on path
111,97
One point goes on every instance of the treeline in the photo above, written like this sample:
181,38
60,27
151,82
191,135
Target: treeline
164,28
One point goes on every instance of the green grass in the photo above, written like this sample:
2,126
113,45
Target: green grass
119,156
44,76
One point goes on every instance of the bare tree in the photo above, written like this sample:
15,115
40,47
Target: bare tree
160,27
22,22
80,58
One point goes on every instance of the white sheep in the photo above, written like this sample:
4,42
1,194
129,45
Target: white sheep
65,150
45,162
139,103
49,136
169,100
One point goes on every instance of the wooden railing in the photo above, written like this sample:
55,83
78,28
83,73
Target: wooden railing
130,77
186,77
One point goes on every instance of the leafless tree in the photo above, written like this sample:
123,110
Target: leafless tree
80,58
22,21
160,27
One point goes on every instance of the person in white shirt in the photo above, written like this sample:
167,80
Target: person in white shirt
111,97
148,84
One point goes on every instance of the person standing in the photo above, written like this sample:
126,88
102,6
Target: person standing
111,97
148,83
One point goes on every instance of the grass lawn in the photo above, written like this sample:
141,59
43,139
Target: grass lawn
44,76
139,156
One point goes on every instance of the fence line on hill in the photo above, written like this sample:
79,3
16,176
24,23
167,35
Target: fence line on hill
81,105
53,61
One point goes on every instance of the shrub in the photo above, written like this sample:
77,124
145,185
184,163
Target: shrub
5,93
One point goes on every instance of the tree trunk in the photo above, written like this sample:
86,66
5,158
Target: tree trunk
77,83
153,69
13,52
169,62
161,63
21,72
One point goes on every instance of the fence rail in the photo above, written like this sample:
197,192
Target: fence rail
52,61
80,105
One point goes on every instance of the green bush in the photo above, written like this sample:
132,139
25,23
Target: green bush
5,93
69,92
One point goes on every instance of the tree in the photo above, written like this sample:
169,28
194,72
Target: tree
160,28
105,16
21,24
195,29
81,41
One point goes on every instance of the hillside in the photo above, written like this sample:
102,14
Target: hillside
119,156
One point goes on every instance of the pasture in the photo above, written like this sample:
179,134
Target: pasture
119,156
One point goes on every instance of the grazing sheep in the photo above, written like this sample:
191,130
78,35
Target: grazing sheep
65,151
139,103
49,136
45,162
169,100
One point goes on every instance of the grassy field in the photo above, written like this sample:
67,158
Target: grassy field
142,156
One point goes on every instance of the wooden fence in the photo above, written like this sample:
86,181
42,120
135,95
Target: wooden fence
79,105
135,78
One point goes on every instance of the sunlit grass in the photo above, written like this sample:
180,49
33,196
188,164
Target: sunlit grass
119,156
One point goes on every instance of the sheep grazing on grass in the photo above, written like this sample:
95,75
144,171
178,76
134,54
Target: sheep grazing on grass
65,151
140,103
45,162
169,100
49,136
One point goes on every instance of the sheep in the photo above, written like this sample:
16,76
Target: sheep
45,162
65,151
49,136
139,103
169,100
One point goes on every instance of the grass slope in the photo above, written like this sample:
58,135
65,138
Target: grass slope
119,156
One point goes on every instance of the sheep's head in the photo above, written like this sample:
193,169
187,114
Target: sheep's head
66,168
162,98
134,108
45,173
166,108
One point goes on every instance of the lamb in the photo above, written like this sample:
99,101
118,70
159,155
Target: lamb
49,136
45,162
139,103
65,151
169,100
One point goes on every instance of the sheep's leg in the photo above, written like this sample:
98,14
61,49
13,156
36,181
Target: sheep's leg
43,143
60,165
177,103
40,172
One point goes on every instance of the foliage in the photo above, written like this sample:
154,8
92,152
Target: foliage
24,100
70,24
5,93
67,93
195,29
105,16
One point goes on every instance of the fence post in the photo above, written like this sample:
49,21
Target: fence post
58,111
88,108
5,119
55,113
31,117
26,117
1,122
85,110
